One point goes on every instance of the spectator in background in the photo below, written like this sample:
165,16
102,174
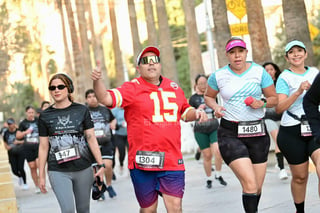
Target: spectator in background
44,105
28,130
206,133
104,122
272,120
120,136
15,153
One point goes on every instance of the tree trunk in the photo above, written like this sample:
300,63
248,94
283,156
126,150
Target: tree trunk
151,26
169,68
296,25
67,64
194,49
77,57
116,45
258,33
134,29
96,41
221,30
85,50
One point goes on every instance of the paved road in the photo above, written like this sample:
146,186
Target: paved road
276,196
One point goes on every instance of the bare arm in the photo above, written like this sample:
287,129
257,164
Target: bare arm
113,124
20,134
271,96
100,90
6,146
95,150
210,97
286,101
43,155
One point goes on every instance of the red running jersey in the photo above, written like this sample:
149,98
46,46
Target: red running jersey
153,115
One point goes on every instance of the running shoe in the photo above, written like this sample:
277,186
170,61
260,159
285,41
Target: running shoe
197,155
209,184
25,187
37,191
111,192
283,174
222,182
102,198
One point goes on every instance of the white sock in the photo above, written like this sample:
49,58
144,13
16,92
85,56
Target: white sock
217,173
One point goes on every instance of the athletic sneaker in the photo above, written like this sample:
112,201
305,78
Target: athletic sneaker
25,187
283,174
209,184
37,191
222,182
102,198
111,192
197,155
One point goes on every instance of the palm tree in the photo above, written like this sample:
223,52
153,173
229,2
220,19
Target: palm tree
85,50
67,63
77,57
151,27
221,29
296,25
169,68
116,45
258,33
97,41
194,49
134,28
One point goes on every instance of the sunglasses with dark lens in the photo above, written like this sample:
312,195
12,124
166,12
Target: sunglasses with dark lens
146,60
60,87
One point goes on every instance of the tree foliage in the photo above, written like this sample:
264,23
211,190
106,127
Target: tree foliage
15,38
316,41
14,104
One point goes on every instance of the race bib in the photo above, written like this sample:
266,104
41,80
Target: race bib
148,159
32,140
99,133
305,128
251,128
66,154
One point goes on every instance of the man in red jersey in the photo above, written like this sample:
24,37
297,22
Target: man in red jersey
153,108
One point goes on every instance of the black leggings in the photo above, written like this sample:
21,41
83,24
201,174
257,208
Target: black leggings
121,142
17,165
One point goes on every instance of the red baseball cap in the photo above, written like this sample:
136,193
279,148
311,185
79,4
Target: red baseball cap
148,49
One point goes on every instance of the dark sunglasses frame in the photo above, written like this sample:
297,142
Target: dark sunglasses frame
60,87
146,60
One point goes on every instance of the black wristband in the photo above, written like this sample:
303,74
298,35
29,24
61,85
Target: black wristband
265,102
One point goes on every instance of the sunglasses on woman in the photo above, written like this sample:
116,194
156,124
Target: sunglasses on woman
60,87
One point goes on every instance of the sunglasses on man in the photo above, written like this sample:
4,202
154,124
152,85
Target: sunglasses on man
147,60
